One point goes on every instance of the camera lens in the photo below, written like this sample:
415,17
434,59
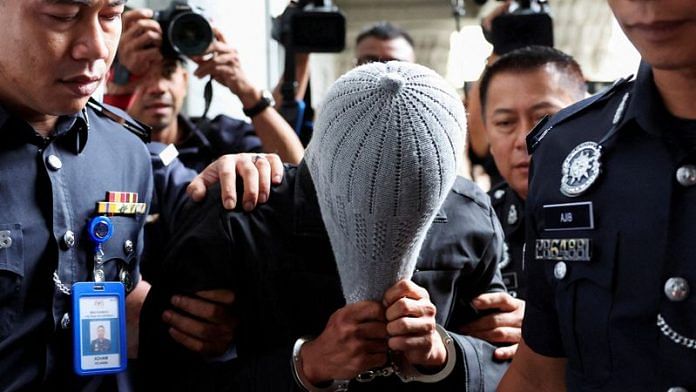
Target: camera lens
190,34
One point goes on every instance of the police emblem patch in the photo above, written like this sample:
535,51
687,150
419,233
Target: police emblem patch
580,169
512,215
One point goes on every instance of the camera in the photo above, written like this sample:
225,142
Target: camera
308,26
527,23
185,31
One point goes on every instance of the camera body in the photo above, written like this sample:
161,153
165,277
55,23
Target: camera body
306,27
185,31
527,23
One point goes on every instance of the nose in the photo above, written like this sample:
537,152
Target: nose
525,126
93,42
156,85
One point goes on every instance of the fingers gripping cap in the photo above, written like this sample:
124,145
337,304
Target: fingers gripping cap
383,157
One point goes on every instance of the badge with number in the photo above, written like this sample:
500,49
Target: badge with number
580,169
99,328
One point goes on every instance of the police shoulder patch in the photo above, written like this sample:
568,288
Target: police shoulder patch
136,127
546,124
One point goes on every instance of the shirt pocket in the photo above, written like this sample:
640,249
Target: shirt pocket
120,251
11,275
584,299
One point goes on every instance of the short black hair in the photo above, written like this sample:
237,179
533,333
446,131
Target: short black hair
384,31
530,58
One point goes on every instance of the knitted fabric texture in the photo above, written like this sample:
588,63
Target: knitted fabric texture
383,157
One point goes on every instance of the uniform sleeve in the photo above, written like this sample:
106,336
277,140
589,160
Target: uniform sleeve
540,328
476,370
170,182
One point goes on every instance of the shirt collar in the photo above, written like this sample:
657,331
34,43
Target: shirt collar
71,130
645,105
191,134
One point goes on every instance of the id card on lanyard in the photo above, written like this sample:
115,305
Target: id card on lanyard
99,314
99,328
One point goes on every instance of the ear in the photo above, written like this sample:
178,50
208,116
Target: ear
185,76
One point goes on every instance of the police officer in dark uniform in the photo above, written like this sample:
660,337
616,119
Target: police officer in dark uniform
60,157
509,208
610,217
516,91
63,159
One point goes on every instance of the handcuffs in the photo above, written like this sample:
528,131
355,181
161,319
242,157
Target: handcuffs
404,370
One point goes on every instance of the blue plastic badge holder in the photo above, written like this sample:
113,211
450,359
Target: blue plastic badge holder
99,328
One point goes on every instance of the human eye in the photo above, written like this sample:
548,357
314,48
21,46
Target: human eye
61,13
65,18
112,14
504,125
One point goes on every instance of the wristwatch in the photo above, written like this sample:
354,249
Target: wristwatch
263,103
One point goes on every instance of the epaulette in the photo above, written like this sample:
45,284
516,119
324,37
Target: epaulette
143,131
544,126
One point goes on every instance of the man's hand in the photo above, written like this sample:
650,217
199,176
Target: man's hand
353,341
258,172
411,325
222,62
205,324
502,327
140,43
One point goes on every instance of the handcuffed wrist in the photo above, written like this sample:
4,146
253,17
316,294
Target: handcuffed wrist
408,372
299,376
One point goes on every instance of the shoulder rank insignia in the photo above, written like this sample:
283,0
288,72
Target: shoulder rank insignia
134,126
544,126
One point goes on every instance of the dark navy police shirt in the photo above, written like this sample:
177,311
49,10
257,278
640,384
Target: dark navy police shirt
626,318
49,188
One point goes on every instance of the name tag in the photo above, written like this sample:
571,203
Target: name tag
566,249
569,216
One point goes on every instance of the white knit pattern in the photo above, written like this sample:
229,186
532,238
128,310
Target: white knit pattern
383,157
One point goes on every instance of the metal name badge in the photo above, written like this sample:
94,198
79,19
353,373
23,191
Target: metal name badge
569,216
565,249
580,169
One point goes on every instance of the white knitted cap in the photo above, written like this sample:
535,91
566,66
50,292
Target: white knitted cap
383,157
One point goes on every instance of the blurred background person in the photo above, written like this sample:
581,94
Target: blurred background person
157,84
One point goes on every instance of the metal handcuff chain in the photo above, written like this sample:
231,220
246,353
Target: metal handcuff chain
406,372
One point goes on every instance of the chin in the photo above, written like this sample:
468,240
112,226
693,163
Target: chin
669,58
68,107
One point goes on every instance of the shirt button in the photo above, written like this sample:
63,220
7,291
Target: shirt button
677,389
65,321
53,162
686,175
559,270
676,289
128,247
69,239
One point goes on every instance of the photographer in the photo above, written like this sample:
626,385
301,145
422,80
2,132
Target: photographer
157,83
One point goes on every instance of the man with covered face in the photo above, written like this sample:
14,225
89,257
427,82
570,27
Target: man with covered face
364,260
